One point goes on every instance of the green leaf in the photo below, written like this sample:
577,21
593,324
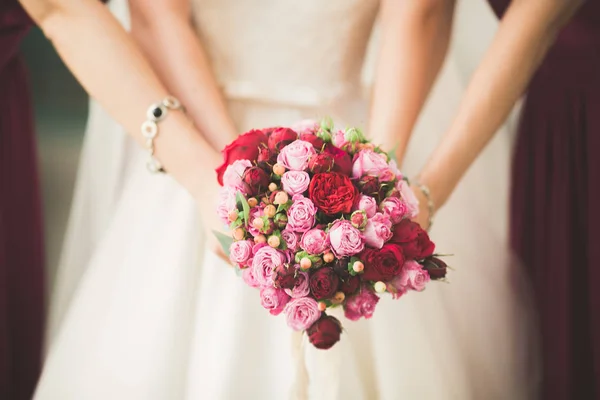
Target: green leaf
284,207
245,206
224,240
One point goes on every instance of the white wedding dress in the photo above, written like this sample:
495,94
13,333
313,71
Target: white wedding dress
139,312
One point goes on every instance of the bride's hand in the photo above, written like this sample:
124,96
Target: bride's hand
423,217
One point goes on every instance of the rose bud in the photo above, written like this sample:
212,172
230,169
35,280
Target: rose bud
278,169
272,186
370,186
354,135
284,277
274,241
239,234
281,137
270,211
264,154
269,227
252,202
256,179
305,263
359,219
281,220
380,287
233,215
321,163
328,257
281,198
350,285
258,223
339,297
322,306
358,267
435,267
340,266
324,283
324,333
316,141
260,239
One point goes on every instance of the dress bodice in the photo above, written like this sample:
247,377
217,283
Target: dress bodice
307,51
14,24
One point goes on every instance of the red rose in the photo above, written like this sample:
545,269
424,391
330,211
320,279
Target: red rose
325,332
414,240
435,267
320,163
369,186
281,137
350,285
245,147
383,264
265,155
284,277
316,141
324,283
332,193
342,162
257,180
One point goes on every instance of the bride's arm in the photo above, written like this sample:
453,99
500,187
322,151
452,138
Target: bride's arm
526,33
109,65
164,31
414,41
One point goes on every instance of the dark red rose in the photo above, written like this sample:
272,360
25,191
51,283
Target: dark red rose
324,283
350,285
332,193
435,267
382,264
316,141
284,277
245,147
320,163
369,185
281,137
324,333
342,162
414,240
340,266
265,155
257,180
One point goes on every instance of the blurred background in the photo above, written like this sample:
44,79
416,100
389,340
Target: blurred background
61,111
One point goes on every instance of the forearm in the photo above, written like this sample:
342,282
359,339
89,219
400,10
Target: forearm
176,53
525,34
108,64
415,38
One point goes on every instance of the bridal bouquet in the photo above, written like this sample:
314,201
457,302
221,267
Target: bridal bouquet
321,218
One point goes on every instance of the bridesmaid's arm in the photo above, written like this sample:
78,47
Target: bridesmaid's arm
526,32
165,33
414,41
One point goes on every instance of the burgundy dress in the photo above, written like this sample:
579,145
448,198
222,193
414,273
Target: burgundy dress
21,249
555,201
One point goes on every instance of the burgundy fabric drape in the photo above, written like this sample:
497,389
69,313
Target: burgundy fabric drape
21,247
555,205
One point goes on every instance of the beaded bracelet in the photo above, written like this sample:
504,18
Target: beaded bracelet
156,113
430,205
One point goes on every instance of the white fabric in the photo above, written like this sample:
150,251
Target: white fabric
140,313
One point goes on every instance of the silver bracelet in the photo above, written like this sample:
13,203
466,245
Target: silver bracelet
430,205
156,113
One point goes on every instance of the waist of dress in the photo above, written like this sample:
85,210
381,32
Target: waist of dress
569,68
289,95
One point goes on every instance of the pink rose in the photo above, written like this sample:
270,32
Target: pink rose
234,174
248,277
367,204
368,162
378,230
315,241
301,287
413,276
240,252
395,170
295,155
273,299
339,139
295,182
302,313
396,288
255,212
386,175
301,215
395,208
409,198
264,263
227,203
345,239
362,304
290,238
306,126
